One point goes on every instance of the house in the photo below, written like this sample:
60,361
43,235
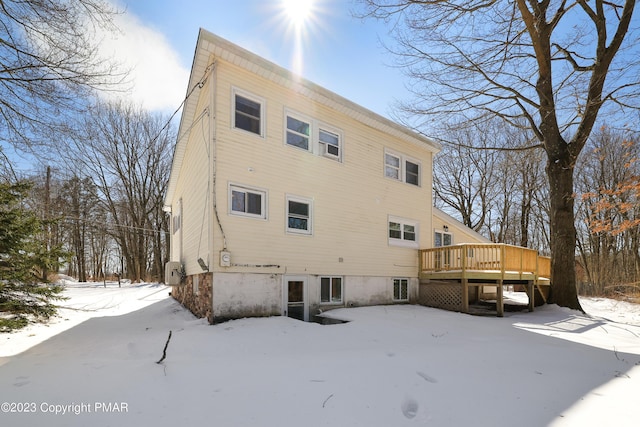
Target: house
287,199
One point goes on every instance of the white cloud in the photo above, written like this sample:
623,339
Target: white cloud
157,80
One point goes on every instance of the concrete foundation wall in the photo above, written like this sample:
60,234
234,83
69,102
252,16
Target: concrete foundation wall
224,296
238,295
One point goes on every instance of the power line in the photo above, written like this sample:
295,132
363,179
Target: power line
112,224
198,85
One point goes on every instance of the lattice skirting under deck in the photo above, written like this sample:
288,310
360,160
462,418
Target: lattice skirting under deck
444,296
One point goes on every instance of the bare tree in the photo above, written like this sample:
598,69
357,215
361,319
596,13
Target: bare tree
72,218
553,64
49,60
495,192
463,176
126,150
608,184
522,189
80,219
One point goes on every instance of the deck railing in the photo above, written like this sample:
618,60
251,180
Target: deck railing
544,267
485,257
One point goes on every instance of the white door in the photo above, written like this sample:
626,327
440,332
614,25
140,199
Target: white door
295,302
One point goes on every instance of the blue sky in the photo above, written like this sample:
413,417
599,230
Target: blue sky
339,52
157,38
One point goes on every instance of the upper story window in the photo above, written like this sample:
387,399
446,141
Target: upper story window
299,215
298,132
401,168
403,232
248,112
411,172
313,136
330,143
246,201
392,166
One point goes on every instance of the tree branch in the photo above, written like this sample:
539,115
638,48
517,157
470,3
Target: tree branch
164,351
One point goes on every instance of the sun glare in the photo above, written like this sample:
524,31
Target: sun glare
298,11
301,20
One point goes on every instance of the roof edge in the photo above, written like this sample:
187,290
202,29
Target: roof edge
444,215
209,44
299,82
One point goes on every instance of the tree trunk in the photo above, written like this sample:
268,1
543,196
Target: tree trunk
563,234
47,229
157,256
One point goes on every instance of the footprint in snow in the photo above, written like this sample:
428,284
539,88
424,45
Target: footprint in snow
21,381
409,407
427,377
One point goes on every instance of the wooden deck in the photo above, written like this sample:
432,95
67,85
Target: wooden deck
478,265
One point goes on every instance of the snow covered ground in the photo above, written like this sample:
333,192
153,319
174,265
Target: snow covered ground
389,366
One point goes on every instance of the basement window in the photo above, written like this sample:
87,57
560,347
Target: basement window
331,290
401,289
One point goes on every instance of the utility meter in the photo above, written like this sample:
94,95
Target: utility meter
225,259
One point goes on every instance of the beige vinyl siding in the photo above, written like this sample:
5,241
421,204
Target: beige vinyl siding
192,188
460,233
352,199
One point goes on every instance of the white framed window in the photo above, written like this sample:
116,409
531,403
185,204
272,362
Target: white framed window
298,131
248,112
400,289
331,290
392,166
403,232
299,215
402,168
246,201
442,238
330,142
412,172
313,136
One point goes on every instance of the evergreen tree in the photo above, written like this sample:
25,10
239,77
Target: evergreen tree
23,256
